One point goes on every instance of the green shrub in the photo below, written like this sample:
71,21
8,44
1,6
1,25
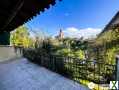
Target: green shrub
79,54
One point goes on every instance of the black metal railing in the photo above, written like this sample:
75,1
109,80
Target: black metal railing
76,69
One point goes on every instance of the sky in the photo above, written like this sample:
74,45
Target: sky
75,17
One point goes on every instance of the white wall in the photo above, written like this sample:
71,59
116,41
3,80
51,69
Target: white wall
9,52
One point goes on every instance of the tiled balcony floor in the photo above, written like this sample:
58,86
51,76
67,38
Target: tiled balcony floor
23,75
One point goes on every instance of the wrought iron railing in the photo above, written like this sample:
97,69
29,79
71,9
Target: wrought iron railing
76,69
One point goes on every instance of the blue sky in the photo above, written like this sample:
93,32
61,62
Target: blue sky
76,14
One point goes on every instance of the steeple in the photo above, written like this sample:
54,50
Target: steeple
61,34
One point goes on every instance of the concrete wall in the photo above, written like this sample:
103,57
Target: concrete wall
9,52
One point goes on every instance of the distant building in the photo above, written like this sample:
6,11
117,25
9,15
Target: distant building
60,35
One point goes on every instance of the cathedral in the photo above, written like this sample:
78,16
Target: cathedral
60,35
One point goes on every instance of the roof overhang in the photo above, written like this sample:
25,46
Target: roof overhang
14,13
114,23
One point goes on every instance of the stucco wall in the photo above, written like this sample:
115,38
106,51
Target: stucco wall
9,52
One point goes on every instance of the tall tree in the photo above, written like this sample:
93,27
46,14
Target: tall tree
20,37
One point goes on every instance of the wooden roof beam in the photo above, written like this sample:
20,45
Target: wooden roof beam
15,10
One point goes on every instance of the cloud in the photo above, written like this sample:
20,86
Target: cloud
77,33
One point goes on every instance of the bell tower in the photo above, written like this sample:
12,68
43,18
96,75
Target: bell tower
61,34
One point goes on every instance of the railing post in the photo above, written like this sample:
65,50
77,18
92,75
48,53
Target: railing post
117,67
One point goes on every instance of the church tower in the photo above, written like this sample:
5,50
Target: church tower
61,34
